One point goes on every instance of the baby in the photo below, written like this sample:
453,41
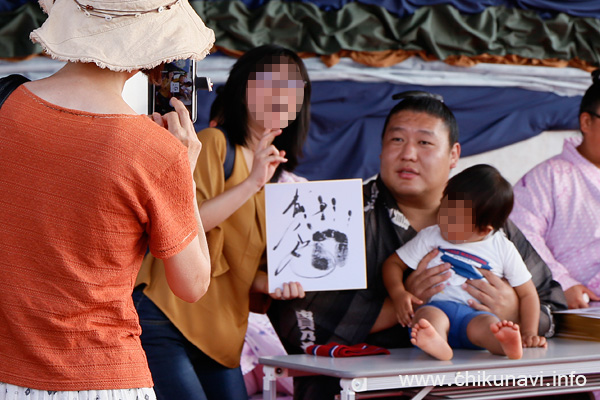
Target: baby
475,205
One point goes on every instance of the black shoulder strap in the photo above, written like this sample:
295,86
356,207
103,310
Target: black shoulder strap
229,156
8,84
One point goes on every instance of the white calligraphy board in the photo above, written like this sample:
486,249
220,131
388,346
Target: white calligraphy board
315,235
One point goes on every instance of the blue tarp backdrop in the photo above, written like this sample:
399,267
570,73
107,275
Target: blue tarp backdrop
347,121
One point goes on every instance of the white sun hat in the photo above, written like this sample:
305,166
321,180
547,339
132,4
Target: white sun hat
123,35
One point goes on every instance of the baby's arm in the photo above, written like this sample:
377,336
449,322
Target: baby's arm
393,275
529,307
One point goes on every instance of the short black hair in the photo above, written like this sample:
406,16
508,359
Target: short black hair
490,194
429,104
230,110
591,99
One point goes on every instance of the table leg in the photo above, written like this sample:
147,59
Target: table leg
422,393
269,383
347,393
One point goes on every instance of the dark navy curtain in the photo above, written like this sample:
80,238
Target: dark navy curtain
347,122
546,8
579,8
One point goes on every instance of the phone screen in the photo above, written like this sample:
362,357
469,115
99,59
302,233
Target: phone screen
177,80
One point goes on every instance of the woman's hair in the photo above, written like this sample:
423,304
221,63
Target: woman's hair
428,103
230,110
154,74
491,195
591,99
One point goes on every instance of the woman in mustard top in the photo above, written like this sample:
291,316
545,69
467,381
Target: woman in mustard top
263,110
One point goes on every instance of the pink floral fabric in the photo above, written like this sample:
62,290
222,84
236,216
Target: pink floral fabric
557,206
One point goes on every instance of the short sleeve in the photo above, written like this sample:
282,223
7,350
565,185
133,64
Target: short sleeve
515,270
170,208
415,249
209,176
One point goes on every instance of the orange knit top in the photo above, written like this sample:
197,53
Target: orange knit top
217,323
82,195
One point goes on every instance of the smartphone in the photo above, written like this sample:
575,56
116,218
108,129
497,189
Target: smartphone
177,79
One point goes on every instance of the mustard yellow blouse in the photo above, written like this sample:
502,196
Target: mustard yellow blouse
217,323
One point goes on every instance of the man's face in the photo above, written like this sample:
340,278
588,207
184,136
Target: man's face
275,94
416,157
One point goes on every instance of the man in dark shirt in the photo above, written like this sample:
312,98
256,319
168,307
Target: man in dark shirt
419,148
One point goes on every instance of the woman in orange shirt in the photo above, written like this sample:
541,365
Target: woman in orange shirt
86,186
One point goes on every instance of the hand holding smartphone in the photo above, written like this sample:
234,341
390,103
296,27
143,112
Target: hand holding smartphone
177,79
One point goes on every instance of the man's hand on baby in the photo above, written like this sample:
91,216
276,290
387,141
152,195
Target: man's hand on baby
403,303
425,282
494,294
533,341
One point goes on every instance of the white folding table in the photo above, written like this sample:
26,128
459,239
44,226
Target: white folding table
566,366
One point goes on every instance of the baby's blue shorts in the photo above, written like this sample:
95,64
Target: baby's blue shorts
459,315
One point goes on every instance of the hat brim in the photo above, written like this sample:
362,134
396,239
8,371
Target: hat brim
125,43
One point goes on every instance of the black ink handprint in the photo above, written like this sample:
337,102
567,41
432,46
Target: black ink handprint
330,249
321,250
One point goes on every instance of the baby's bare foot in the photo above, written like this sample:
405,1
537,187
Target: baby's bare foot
425,337
509,336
